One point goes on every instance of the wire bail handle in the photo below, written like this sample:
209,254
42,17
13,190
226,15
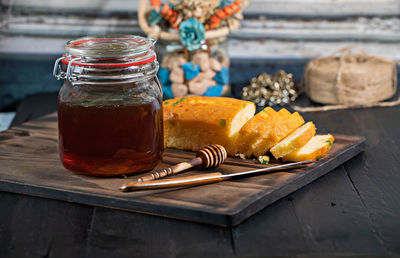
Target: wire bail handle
57,71
59,74
159,85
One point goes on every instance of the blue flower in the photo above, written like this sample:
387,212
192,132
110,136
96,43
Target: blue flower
192,34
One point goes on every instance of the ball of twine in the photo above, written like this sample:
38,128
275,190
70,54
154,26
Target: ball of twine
348,80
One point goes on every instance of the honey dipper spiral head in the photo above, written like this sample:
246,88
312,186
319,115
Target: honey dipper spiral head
212,155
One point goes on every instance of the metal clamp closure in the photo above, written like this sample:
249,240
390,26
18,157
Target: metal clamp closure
58,72
70,76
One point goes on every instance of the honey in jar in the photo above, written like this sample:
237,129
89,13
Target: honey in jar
110,106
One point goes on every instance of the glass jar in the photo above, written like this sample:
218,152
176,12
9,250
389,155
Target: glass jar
110,106
203,72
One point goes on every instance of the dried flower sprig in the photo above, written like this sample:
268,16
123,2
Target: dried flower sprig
208,12
194,20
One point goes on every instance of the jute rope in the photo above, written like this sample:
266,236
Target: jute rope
365,90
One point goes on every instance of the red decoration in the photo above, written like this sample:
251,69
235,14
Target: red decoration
220,14
215,20
170,15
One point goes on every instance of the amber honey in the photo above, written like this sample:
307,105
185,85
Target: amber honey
110,140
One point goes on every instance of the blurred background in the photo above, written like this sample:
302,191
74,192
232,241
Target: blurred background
275,34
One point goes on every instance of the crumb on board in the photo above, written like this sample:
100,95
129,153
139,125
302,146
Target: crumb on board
240,155
263,159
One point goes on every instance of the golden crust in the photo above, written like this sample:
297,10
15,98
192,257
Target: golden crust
203,109
193,122
255,128
284,112
284,125
259,123
256,146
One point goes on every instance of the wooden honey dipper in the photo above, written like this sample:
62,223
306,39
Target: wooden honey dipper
208,157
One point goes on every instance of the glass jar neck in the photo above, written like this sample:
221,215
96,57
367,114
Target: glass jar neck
105,75
107,58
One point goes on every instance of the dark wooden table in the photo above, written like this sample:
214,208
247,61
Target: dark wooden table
354,210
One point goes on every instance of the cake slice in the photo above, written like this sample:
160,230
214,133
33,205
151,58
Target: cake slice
285,124
315,149
294,141
255,128
263,129
284,112
191,123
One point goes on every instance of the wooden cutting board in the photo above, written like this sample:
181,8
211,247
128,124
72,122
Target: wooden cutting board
29,164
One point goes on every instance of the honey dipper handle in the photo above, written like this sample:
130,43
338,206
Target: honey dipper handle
171,170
